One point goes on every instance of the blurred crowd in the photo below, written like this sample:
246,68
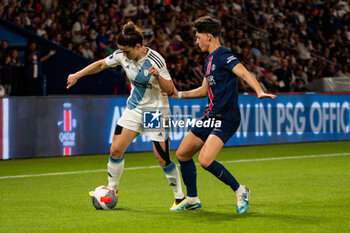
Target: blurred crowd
284,44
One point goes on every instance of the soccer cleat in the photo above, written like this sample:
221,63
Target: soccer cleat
91,192
243,200
177,204
184,205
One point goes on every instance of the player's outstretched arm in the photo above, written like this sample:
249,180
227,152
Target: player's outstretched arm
243,73
93,68
199,92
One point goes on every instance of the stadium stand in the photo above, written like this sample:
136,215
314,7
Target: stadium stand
285,44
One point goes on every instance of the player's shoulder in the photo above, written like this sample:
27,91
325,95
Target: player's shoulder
226,55
116,53
155,53
223,51
156,58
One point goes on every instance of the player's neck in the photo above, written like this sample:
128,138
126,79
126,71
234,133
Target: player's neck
214,46
143,53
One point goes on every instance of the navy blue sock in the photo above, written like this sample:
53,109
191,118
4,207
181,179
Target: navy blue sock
189,176
218,170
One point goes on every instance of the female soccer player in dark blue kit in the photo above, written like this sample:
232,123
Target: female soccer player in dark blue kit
220,85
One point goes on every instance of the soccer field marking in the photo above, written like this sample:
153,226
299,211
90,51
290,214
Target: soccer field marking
150,167
286,158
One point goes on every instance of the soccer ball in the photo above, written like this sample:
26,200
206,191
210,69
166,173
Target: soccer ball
104,198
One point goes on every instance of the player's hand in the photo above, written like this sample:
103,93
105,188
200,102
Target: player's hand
71,80
153,71
52,52
174,94
265,95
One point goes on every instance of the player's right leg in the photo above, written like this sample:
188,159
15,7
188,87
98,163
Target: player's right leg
121,140
189,146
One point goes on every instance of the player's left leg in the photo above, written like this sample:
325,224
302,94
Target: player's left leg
189,146
162,153
207,155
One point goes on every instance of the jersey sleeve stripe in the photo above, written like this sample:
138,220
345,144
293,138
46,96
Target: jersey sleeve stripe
156,61
157,58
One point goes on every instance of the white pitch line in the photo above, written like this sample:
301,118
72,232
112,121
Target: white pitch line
150,167
286,158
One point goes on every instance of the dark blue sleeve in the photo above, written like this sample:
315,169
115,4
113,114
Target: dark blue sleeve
228,60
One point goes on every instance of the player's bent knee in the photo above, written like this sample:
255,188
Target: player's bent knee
179,155
116,152
182,156
205,163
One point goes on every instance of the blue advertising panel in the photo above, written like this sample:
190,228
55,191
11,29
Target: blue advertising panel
287,119
55,126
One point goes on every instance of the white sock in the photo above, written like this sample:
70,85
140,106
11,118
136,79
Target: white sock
173,176
115,171
240,190
192,200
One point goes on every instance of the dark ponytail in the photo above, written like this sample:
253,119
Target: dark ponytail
131,35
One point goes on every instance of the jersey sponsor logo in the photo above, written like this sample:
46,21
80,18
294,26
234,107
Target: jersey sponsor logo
144,85
210,80
128,67
231,58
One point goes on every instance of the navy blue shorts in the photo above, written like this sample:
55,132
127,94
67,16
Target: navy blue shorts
226,130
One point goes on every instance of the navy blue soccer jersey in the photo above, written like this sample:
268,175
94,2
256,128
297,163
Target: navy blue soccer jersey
222,85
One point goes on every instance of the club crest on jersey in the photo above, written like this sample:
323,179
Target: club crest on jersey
146,72
213,67
210,80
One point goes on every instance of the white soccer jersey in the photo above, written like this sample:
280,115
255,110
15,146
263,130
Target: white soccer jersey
145,91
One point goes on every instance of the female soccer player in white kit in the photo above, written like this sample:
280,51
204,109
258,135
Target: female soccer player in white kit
148,74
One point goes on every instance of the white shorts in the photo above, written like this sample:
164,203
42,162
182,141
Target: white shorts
133,120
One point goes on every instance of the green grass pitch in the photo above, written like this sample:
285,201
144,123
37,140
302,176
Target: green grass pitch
299,192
